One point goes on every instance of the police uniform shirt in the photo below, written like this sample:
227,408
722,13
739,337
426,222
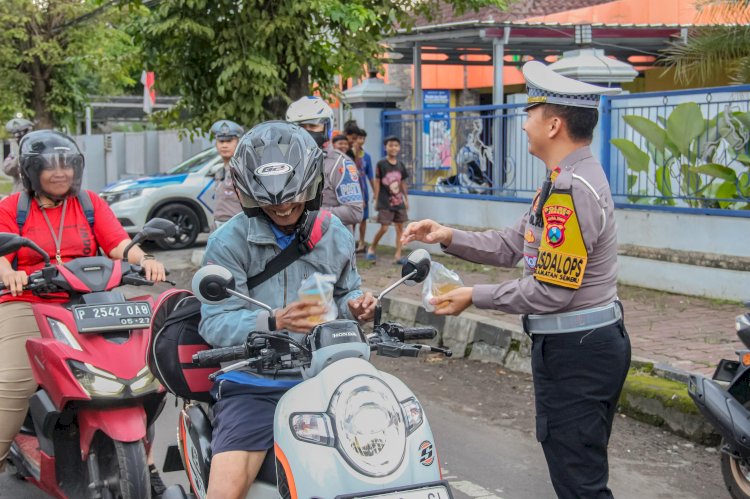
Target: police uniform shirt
582,175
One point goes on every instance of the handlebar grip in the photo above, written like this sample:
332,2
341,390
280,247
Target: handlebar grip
208,358
419,333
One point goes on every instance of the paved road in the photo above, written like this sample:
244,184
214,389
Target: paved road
488,454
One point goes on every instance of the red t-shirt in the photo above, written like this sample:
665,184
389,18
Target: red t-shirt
77,237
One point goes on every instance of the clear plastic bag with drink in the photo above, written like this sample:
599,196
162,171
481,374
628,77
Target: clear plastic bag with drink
439,281
318,289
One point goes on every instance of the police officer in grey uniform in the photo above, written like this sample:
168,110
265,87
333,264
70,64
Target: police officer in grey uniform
567,295
226,204
342,194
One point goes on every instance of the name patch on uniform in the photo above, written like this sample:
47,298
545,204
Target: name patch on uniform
562,254
348,190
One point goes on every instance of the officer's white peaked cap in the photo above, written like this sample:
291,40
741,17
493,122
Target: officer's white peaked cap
544,86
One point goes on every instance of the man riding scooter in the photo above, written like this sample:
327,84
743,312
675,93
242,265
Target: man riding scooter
67,223
277,171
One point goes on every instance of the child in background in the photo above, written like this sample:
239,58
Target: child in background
365,175
391,197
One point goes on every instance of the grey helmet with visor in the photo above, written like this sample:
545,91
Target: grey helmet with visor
275,163
47,150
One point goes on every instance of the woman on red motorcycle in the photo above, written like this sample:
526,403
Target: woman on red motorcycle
51,169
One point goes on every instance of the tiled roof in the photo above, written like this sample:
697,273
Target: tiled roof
519,9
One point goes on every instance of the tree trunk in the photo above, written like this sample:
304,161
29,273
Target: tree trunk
296,86
39,87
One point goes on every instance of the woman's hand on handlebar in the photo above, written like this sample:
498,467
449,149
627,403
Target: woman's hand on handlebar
299,316
154,270
14,280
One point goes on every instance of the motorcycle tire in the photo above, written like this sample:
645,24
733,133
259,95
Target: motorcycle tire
736,473
123,465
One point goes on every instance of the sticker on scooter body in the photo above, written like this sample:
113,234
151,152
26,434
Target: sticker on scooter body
426,453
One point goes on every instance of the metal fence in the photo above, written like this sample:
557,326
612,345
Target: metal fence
685,151
681,150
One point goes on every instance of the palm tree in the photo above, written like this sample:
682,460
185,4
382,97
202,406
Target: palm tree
715,48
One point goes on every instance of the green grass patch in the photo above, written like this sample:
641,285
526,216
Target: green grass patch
671,394
6,186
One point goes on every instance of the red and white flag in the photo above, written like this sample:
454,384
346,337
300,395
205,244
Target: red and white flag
149,94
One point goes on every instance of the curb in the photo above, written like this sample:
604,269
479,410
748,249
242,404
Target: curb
654,393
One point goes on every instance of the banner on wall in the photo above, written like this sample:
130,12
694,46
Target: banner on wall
436,133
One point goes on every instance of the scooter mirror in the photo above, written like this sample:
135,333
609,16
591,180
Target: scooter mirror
10,243
210,284
420,261
159,228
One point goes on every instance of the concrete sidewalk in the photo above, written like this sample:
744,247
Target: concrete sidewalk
687,333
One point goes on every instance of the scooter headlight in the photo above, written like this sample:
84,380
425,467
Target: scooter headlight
96,381
414,414
144,382
369,425
314,428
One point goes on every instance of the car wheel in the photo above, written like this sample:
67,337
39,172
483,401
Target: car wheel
188,226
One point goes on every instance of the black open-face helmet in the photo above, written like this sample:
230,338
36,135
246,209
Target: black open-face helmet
46,150
275,163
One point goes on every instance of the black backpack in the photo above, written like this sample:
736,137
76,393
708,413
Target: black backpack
174,341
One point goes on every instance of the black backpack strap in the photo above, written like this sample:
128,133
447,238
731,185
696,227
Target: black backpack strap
308,235
24,203
88,208
22,211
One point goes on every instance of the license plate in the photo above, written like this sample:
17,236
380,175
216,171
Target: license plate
112,316
429,493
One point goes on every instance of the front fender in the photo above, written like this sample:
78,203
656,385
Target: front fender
124,424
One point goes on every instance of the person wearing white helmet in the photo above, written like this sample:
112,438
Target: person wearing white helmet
342,195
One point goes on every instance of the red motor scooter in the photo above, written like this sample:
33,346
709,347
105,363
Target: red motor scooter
86,433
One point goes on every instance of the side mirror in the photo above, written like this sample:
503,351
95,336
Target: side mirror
210,284
159,228
418,260
10,243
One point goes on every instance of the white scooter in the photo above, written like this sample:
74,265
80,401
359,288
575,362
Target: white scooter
348,430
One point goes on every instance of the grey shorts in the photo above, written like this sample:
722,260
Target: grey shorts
387,217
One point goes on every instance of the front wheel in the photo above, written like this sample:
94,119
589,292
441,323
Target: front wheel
122,466
736,473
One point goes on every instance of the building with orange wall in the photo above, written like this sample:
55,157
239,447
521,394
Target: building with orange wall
563,13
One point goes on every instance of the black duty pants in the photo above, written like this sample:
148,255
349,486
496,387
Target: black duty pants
578,378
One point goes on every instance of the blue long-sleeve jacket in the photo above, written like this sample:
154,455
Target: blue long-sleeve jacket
244,246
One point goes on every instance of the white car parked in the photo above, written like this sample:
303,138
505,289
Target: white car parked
184,195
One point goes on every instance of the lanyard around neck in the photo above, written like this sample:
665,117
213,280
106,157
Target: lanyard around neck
58,238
